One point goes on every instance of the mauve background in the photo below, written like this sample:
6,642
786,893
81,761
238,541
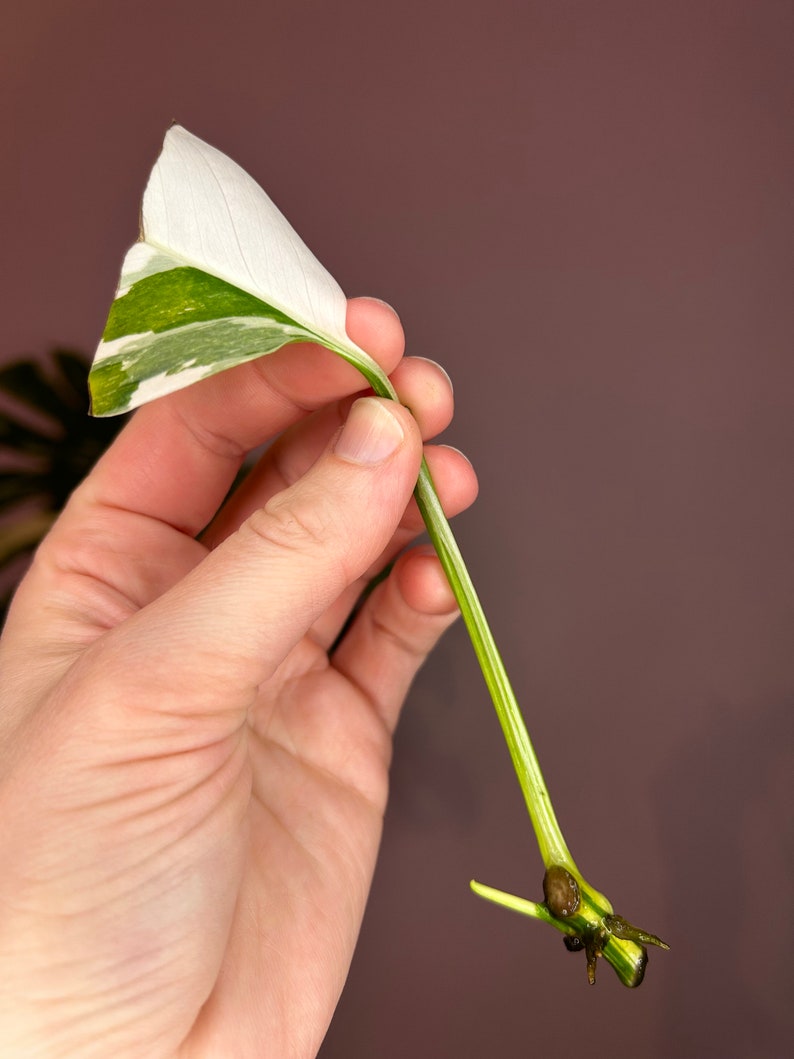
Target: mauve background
582,209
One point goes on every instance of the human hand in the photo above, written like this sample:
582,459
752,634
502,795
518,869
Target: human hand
191,791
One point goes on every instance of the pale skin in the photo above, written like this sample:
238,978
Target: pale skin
191,790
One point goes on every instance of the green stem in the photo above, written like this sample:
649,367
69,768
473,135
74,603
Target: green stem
553,848
519,904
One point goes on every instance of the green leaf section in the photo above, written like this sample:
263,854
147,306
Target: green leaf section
182,296
160,360
176,321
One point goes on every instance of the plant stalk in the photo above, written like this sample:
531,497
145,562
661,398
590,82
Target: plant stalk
552,845
553,848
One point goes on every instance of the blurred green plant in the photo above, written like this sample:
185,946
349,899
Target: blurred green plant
47,444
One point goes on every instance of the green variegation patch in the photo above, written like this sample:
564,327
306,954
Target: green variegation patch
179,297
137,368
180,324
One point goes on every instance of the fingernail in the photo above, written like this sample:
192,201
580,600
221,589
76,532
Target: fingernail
370,434
462,455
378,301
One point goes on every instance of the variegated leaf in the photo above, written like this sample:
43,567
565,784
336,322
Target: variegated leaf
218,277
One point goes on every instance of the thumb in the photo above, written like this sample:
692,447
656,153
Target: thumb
231,622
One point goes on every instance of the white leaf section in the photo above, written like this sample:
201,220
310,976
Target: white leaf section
202,207
143,260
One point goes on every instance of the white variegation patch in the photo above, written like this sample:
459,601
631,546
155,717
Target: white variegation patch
164,383
143,260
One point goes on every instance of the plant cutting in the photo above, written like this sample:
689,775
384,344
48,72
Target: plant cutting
219,277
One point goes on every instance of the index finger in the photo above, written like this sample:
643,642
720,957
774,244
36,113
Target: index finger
177,457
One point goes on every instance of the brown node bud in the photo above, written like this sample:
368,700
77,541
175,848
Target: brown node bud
560,891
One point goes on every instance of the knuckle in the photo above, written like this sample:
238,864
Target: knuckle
293,527
402,639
